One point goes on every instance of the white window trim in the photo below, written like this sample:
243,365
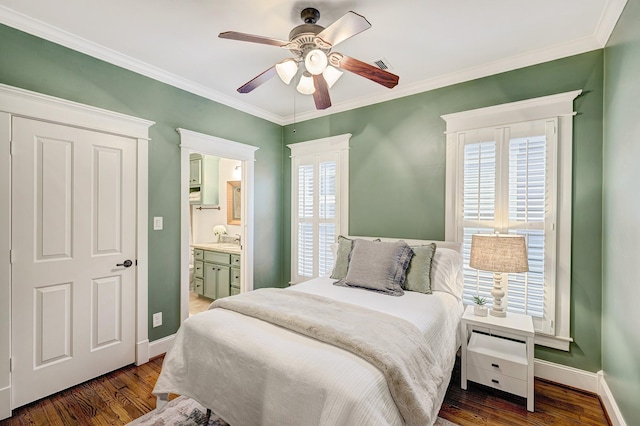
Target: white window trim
340,144
560,106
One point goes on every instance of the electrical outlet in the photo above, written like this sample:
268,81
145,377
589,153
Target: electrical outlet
157,319
157,223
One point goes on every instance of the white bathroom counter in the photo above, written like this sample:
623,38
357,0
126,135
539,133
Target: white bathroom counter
222,247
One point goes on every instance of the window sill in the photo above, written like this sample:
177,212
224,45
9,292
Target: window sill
555,342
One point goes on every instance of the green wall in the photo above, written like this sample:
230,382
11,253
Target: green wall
621,218
397,173
397,163
32,63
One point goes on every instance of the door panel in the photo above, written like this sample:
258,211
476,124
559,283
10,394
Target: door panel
107,166
74,212
53,198
53,323
107,307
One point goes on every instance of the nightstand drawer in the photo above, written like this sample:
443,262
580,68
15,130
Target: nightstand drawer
497,380
498,355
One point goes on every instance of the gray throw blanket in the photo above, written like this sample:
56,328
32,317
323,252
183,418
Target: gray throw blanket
393,345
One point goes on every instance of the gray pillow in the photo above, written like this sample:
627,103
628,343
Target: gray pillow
419,270
342,258
378,266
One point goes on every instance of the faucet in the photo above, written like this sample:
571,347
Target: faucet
237,239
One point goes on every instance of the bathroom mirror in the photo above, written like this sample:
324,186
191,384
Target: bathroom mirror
234,196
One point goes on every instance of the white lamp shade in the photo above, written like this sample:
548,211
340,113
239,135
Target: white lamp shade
316,61
305,86
499,253
331,75
286,70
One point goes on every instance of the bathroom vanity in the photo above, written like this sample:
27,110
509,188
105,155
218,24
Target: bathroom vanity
216,270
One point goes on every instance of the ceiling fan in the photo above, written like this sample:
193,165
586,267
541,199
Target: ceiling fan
311,45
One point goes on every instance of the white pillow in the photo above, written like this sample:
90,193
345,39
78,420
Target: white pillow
446,271
334,251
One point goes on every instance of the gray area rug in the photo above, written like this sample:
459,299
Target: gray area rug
184,411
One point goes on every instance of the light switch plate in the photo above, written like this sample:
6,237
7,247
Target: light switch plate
157,319
157,223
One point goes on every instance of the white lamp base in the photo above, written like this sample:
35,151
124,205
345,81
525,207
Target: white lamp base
497,310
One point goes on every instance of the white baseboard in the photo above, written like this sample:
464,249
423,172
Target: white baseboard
609,402
583,380
565,375
142,352
160,346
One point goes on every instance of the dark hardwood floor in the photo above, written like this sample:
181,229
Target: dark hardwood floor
554,405
123,395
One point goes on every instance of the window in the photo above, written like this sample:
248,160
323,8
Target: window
507,187
319,191
509,171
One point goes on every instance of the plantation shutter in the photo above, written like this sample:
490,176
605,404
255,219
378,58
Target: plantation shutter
327,216
316,220
509,181
306,207
480,163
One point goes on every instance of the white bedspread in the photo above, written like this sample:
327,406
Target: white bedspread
254,373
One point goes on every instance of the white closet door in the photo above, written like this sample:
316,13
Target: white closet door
73,220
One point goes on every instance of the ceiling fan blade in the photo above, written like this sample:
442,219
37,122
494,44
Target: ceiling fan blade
321,95
232,35
363,69
258,80
346,27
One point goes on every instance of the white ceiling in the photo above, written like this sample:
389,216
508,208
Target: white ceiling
429,43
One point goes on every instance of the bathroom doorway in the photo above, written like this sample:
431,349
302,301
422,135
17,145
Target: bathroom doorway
234,161
215,219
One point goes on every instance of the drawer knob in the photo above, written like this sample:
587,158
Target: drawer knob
497,382
495,365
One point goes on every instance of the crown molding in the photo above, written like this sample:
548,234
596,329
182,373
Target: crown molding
56,35
598,40
608,20
563,50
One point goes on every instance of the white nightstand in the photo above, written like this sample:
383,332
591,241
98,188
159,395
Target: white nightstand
498,352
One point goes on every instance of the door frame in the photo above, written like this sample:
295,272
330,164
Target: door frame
218,147
25,103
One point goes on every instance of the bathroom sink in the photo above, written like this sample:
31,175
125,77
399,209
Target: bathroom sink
235,248
227,246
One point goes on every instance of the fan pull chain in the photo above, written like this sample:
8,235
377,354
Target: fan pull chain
294,109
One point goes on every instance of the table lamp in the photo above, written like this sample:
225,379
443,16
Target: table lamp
498,253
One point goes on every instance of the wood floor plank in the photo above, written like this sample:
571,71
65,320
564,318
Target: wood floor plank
119,397
120,414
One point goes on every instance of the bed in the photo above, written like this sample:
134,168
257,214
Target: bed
264,358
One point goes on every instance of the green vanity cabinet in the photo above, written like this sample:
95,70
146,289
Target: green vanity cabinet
198,273
235,281
216,280
220,273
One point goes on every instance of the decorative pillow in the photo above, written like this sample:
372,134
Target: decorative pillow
378,266
446,272
342,258
419,270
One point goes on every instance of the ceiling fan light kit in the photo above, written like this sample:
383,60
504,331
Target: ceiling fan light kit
332,75
316,61
306,86
287,69
311,44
